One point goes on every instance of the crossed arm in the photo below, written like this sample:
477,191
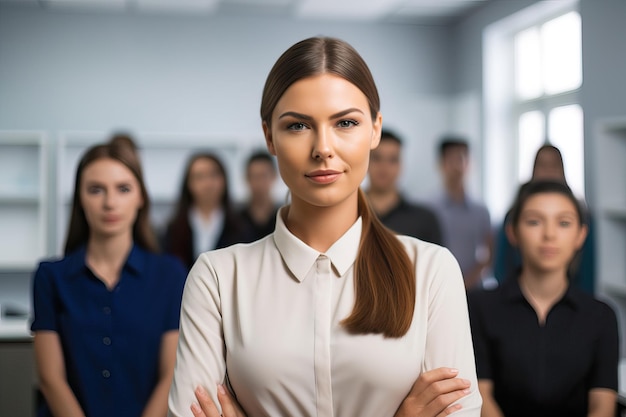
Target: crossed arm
432,395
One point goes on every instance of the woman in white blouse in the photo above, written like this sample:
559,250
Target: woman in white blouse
332,314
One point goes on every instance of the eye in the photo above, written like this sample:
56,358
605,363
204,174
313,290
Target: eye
531,222
297,126
124,188
344,124
565,223
94,189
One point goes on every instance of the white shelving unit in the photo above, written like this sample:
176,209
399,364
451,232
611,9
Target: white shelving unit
23,199
610,144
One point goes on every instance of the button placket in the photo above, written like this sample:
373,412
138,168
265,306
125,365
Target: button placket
322,336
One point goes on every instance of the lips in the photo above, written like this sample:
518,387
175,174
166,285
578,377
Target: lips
325,176
548,251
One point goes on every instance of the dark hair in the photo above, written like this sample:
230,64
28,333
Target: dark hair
179,233
384,276
452,141
260,156
388,135
125,152
552,148
542,187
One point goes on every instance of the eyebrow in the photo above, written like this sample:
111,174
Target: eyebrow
333,116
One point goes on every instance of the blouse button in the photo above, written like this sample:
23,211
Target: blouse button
107,310
106,340
106,373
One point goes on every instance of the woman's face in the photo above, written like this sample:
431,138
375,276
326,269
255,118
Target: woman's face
110,196
322,133
548,232
261,177
206,183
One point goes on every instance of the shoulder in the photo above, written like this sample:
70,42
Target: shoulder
61,265
417,208
594,307
246,254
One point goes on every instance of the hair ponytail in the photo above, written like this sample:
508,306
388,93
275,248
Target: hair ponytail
384,280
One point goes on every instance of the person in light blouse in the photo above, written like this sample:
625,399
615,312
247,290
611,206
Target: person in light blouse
332,314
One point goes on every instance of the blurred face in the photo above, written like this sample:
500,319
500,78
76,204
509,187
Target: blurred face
110,196
322,133
260,177
206,183
384,168
548,232
454,163
548,166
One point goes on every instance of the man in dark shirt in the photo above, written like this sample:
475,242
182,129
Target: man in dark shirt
393,210
543,369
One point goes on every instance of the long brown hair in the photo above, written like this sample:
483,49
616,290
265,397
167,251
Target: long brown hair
179,241
123,151
384,276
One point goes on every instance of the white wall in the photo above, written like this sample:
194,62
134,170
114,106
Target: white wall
64,71
78,71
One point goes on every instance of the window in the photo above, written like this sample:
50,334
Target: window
532,75
547,63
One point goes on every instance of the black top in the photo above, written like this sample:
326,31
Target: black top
256,230
413,220
543,370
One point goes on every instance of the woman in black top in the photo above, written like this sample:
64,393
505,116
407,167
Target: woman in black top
204,218
544,347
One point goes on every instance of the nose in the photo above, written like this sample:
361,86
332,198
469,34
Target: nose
549,230
109,200
323,145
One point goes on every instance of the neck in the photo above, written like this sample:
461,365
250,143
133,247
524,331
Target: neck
542,289
382,201
261,201
206,209
112,250
321,227
456,191
106,256
261,209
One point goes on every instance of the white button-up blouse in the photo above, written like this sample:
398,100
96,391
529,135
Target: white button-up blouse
264,317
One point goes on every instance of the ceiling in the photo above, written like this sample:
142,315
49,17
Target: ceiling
358,10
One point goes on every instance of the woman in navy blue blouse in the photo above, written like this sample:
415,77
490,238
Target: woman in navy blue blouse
106,315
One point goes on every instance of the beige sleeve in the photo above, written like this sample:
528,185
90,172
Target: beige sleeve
449,339
200,356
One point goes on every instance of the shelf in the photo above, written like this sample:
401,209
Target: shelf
18,200
615,213
19,266
615,289
615,126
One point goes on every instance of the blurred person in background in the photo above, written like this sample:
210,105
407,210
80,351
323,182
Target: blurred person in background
393,210
548,165
465,222
544,347
205,218
106,315
259,211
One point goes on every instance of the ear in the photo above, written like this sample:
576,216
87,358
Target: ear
377,128
269,142
582,235
510,234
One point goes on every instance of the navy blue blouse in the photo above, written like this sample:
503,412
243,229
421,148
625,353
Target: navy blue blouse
111,339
